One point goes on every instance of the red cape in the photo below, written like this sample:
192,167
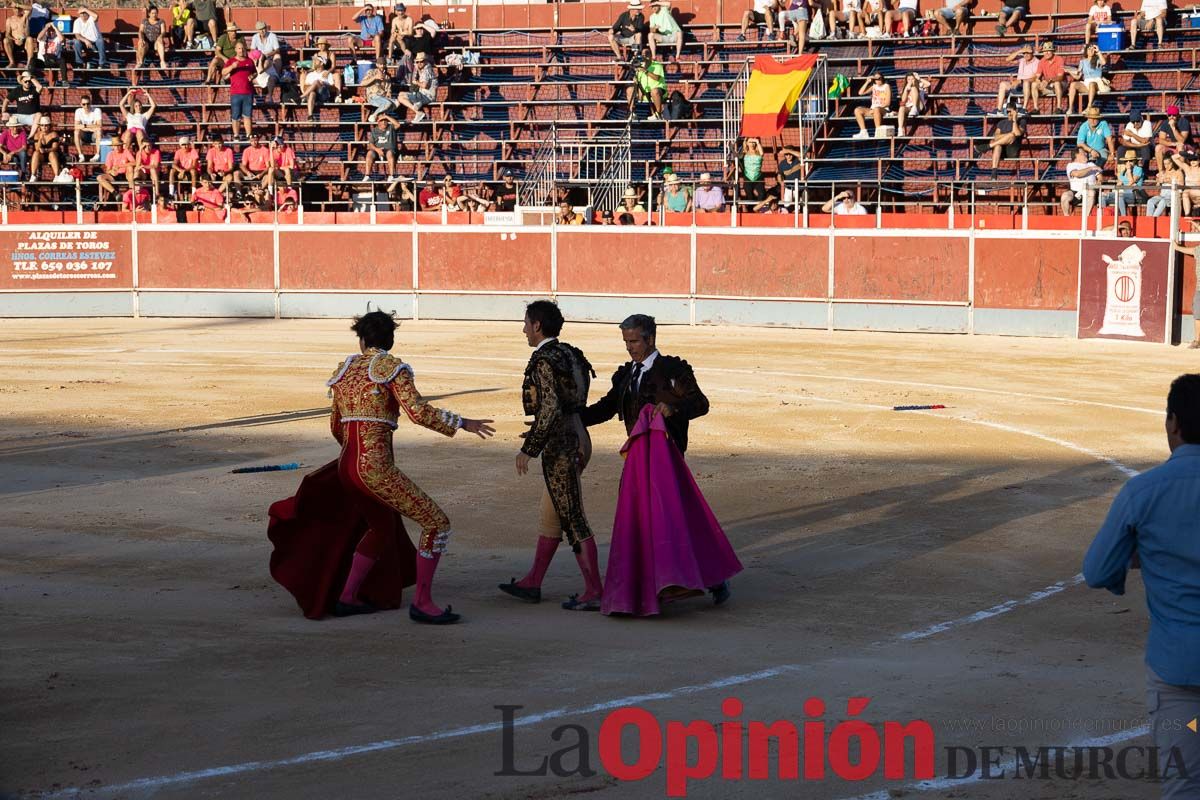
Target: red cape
315,533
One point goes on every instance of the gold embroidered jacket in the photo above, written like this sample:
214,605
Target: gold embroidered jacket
376,387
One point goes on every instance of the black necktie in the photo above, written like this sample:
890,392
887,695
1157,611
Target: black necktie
633,381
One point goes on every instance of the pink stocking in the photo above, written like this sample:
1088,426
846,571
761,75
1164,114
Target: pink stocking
423,599
589,565
546,547
359,567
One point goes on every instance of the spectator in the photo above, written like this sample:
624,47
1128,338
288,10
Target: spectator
423,89
881,101
421,41
1166,179
47,148
630,203
324,59
664,30
183,25
184,164
400,195
843,204
1151,16
89,129
283,162
914,98
675,197
88,39
849,12
789,171
1012,12
287,198
905,13
1099,14
1027,72
267,52
1174,136
208,17
1189,164
606,218
209,197
223,51
26,101
952,17
249,199
1007,137
118,165
630,29
1137,137
401,28
626,219
1082,176
240,72
770,205
1051,76
763,13
149,165
17,36
649,83
799,13
318,89
289,88
1124,229
1153,519
480,199
135,198
753,189
151,37
708,196
566,215
370,32
376,88
1088,78
506,192
13,143
381,145
874,13
429,198
452,195
256,161
1130,178
1096,137
39,17
137,116
51,48
218,162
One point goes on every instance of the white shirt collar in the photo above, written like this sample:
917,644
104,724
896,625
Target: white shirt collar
648,362
545,342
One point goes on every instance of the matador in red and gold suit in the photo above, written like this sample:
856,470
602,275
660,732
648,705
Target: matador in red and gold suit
346,522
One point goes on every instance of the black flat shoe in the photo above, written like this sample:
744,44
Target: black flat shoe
520,592
341,609
447,617
573,603
720,592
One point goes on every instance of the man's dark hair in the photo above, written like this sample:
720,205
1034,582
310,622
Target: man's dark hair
625,219
376,329
1183,402
546,314
643,322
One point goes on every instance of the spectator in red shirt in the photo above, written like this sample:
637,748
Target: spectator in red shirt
135,198
219,163
149,164
118,165
256,161
286,198
283,157
185,164
430,198
209,197
240,71
1051,76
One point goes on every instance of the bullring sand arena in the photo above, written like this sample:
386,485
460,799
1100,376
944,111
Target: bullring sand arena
925,560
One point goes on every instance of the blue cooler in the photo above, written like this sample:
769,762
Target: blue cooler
1193,20
9,176
105,148
1110,38
64,22
363,68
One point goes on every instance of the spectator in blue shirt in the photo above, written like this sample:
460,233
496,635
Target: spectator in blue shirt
1129,174
1156,518
370,33
1096,137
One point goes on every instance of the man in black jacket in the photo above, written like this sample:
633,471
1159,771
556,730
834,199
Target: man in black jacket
665,382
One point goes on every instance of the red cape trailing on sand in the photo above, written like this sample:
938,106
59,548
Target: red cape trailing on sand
664,534
315,534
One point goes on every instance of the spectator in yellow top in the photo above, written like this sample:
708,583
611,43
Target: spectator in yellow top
566,215
649,82
183,25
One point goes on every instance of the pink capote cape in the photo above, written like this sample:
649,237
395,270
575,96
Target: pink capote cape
665,534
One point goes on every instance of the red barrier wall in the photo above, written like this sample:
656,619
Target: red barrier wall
624,263
1027,273
55,259
344,260
485,261
900,268
225,259
762,266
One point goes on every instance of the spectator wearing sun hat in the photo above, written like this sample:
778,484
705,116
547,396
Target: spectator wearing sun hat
1096,137
628,30
708,195
675,196
1174,136
13,146
663,29
422,90
1051,77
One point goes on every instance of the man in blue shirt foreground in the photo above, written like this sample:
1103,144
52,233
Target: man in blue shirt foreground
1156,517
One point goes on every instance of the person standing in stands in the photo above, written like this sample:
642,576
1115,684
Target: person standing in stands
240,70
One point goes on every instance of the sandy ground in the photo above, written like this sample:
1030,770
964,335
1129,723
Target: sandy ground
143,637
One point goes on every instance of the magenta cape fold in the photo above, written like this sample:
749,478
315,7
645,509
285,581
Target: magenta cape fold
664,534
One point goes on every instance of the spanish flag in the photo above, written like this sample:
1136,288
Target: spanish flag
772,93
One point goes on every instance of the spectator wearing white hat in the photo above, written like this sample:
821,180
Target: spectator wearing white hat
266,51
708,196
630,204
628,30
13,146
664,30
184,164
47,148
89,128
24,101
88,39
675,197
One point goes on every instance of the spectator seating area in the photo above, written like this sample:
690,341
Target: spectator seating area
496,114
